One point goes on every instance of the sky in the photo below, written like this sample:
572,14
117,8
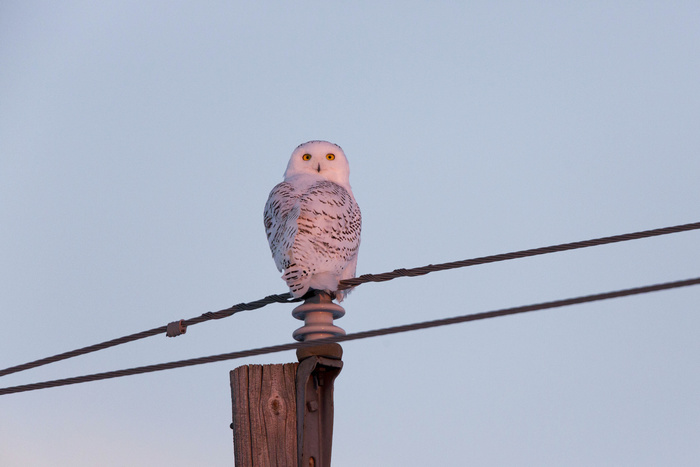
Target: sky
139,142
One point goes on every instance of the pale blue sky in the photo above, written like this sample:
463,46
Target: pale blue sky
139,142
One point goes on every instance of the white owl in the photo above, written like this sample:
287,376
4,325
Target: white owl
313,222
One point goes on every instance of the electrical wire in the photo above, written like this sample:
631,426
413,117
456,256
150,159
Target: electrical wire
352,337
349,283
281,298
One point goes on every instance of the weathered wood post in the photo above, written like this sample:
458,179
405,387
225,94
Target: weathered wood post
283,414
264,415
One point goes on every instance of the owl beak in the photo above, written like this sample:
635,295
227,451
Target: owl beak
319,168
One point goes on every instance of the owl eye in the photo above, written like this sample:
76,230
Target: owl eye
330,157
306,157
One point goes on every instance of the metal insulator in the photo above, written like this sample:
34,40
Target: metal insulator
318,313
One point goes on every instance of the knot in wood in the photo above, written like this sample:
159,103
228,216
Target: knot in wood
276,404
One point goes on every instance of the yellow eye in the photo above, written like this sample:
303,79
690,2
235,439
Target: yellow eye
306,157
330,157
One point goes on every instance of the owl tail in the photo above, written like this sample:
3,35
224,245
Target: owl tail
300,282
297,280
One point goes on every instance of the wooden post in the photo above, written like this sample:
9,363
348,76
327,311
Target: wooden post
264,415
283,414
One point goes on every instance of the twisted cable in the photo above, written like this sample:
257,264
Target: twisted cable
420,271
281,298
351,337
179,327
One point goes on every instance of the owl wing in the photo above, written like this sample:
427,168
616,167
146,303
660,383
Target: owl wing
280,218
328,237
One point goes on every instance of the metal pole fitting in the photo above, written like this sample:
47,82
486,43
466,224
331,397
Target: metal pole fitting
318,313
314,387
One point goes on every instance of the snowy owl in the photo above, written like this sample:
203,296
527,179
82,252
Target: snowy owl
313,222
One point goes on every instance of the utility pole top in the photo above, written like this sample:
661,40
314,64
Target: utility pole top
319,365
283,414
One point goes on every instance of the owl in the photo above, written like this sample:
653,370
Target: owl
313,222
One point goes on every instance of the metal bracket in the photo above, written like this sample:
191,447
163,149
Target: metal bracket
314,384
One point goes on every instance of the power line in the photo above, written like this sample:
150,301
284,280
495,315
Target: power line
351,337
281,298
179,327
347,283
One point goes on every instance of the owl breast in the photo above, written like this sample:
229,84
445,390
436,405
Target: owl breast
314,234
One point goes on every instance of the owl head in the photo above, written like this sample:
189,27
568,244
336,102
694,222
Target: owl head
319,159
